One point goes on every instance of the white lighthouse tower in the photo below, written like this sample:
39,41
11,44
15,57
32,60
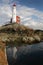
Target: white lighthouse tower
14,13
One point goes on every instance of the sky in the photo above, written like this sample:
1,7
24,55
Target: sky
30,12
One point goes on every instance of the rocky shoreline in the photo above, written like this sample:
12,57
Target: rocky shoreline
16,34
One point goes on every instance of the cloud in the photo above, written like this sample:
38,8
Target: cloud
6,1
25,13
9,1
5,14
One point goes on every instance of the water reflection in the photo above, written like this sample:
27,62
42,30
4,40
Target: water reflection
26,55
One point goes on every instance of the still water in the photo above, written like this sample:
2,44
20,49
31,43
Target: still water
25,55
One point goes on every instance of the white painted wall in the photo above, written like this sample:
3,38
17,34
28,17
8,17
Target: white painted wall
14,14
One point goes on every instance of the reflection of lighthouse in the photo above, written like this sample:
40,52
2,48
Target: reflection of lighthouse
14,13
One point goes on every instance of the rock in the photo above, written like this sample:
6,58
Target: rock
3,57
37,38
28,39
31,39
16,34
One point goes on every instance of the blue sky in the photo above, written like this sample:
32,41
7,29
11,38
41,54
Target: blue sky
30,11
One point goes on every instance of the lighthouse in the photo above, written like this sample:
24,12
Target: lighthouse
14,13
14,19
